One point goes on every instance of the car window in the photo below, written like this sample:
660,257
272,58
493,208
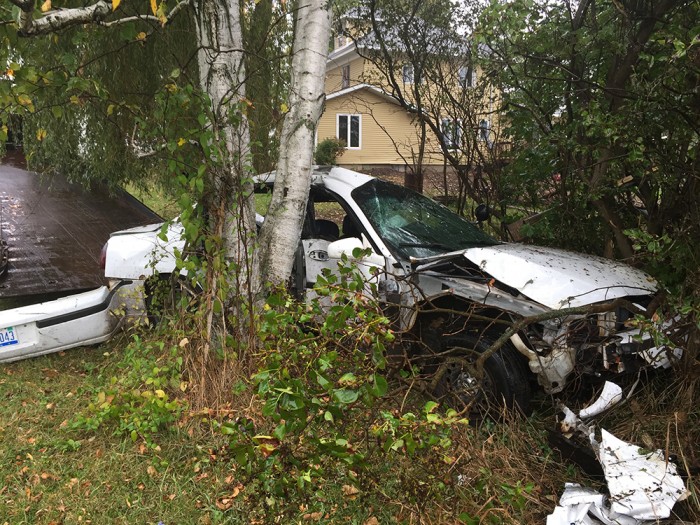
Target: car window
414,225
326,218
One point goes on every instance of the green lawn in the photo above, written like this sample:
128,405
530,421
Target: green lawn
52,473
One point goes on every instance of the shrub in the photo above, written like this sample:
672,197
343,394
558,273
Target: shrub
144,397
328,151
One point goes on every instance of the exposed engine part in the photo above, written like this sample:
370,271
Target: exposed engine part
552,369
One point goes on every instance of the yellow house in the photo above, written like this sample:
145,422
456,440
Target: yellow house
377,130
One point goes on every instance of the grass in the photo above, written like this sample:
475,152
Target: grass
52,473
166,206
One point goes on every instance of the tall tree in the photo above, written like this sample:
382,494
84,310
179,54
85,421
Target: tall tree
282,228
602,101
199,133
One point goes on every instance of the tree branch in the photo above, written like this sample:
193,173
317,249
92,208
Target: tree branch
57,20
150,18
61,19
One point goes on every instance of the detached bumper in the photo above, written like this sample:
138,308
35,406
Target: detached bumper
77,320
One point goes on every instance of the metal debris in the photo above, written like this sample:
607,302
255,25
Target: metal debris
643,486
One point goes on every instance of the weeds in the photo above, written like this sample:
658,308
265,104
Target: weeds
322,434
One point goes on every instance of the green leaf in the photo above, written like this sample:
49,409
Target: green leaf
380,385
325,383
348,379
345,396
430,406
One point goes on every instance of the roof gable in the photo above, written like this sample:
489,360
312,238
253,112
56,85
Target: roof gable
360,87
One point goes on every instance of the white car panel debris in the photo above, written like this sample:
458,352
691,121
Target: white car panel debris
584,506
642,485
609,397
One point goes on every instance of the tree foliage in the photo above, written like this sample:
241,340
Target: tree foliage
602,105
82,92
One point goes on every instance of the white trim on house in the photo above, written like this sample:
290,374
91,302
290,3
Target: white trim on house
342,52
358,87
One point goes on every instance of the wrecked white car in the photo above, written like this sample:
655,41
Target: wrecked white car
453,287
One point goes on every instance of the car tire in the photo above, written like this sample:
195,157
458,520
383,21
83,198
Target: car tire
505,383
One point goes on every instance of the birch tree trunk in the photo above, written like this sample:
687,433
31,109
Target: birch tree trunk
222,76
281,231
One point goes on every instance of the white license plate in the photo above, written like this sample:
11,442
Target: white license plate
8,336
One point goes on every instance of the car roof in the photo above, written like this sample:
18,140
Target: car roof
339,180
336,179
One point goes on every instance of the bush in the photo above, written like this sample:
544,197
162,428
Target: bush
326,413
328,151
144,397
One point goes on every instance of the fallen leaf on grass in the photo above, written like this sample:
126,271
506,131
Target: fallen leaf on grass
50,373
350,491
313,516
151,470
371,521
226,502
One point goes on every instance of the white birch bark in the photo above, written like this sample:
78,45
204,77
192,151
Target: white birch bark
222,76
58,19
282,228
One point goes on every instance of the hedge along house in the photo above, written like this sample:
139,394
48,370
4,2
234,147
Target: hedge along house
406,111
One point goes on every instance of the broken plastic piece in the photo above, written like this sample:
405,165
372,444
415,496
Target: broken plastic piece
609,397
643,488
584,506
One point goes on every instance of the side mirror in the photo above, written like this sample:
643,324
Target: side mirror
482,213
336,249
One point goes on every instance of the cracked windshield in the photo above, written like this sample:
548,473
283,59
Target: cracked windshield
413,225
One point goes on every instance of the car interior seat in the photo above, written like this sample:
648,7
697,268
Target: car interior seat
327,230
350,229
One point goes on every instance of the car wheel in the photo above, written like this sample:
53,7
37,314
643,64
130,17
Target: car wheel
504,383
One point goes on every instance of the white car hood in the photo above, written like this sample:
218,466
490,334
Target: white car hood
558,278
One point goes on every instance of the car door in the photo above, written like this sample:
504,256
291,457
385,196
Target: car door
327,222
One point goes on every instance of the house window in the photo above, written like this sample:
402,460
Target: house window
467,77
485,132
407,73
349,130
345,82
451,130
